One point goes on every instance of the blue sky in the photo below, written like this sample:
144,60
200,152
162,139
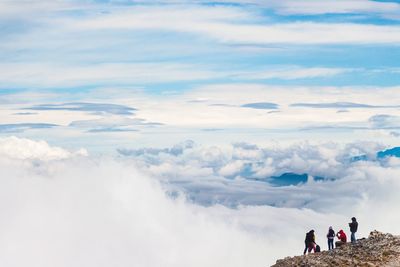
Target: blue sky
166,58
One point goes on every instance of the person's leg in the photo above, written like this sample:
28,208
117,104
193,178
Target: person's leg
330,244
338,243
353,237
311,247
305,249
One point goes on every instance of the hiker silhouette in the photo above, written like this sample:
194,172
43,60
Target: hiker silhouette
309,242
353,229
330,236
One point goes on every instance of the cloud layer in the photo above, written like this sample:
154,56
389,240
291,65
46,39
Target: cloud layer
248,174
101,212
87,211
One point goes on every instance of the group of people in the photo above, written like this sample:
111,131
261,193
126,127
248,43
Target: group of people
311,245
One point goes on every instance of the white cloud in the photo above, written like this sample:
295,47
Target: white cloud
230,25
304,33
49,75
21,148
24,8
220,26
179,118
243,173
386,9
113,123
231,169
102,212
295,73
222,108
315,7
384,121
283,7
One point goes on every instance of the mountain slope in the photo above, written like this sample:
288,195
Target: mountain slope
377,250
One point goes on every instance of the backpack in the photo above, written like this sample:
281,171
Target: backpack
317,248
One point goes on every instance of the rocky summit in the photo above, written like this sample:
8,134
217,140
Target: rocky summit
378,249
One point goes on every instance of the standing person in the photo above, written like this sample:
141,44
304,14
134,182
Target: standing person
342,238
309,242
331,237
353,229
305,243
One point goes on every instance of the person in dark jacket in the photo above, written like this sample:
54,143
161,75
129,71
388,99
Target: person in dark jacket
331,237
309,242
353,229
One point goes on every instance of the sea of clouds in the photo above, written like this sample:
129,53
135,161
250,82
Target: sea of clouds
148,207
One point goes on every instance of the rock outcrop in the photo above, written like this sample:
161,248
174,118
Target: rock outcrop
377,250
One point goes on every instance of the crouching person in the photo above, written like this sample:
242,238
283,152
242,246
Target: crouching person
342,238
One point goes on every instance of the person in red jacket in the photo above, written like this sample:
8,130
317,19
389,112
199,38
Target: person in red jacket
342,238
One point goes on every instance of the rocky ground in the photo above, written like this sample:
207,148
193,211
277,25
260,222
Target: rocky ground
377,250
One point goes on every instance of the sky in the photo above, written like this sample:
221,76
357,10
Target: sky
103,74
234,117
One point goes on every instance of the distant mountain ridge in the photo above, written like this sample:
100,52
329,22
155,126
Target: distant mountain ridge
391,152
378,250
290,178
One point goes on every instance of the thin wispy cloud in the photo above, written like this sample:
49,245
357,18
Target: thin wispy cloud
130,33
25,113
113,124
111,130
341,105
294,73
381,8
384,121
70,75
232,107
226,31
261,105
389,9
20,127
97,108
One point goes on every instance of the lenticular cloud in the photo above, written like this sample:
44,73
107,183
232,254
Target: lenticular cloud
97,211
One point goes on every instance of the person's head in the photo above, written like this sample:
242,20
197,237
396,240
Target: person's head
312,231
341,231
330,227
353,219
